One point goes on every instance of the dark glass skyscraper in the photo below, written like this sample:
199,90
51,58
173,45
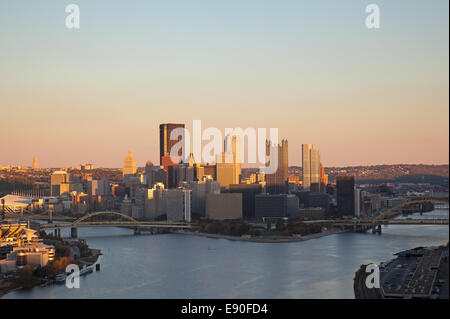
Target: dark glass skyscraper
165,143
345,193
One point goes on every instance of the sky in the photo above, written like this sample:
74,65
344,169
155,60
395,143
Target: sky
309,68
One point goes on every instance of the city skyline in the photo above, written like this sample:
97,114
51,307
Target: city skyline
102,90
142,164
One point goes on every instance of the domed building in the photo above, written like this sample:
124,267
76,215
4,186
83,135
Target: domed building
129,165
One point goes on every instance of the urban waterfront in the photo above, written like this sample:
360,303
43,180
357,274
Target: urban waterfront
182,266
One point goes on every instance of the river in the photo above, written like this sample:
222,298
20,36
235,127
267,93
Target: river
183,266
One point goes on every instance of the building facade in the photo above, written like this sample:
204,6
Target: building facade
277,183
166,143
345,195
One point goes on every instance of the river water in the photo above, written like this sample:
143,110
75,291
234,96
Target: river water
182,266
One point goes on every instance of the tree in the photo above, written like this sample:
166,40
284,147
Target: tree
26,277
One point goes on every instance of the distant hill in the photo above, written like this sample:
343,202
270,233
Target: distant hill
404,173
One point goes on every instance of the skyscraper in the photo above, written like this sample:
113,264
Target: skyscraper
232,145
323,178
345,194
165,143
306,165
129,165
310,165
59,183
228,166
35,163
227,172
276,183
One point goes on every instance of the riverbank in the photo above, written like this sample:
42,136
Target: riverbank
266,239
7,286
359,286
420,273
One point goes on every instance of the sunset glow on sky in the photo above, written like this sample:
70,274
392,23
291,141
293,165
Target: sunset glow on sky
309,68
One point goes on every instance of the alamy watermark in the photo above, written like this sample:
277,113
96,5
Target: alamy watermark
373,277
372,21
73,19
73,277
261,149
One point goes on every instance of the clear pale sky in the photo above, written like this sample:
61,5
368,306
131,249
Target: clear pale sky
310,68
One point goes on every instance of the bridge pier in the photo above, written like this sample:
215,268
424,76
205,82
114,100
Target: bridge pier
74,232
50,217
58,232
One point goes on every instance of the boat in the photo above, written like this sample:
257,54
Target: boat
60,278
86,270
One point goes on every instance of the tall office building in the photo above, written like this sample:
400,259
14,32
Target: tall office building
200,191
232,145
129,165
178,205
310,165
315,166
249,192
184,172
345,195
323,177
165,143
229,166
60,183
357,202
227,172
35,165
276,183
155,174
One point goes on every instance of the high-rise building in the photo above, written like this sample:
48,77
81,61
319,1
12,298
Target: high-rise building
310,165
210,170
249,192
200,191
59,181
35,165
323,178
155,202
184,172
345,195
315,166
357,202
165,142
306,165
174,203
277,182
129,165
232,145
228,164
93,188
155,174
227,171
178,205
